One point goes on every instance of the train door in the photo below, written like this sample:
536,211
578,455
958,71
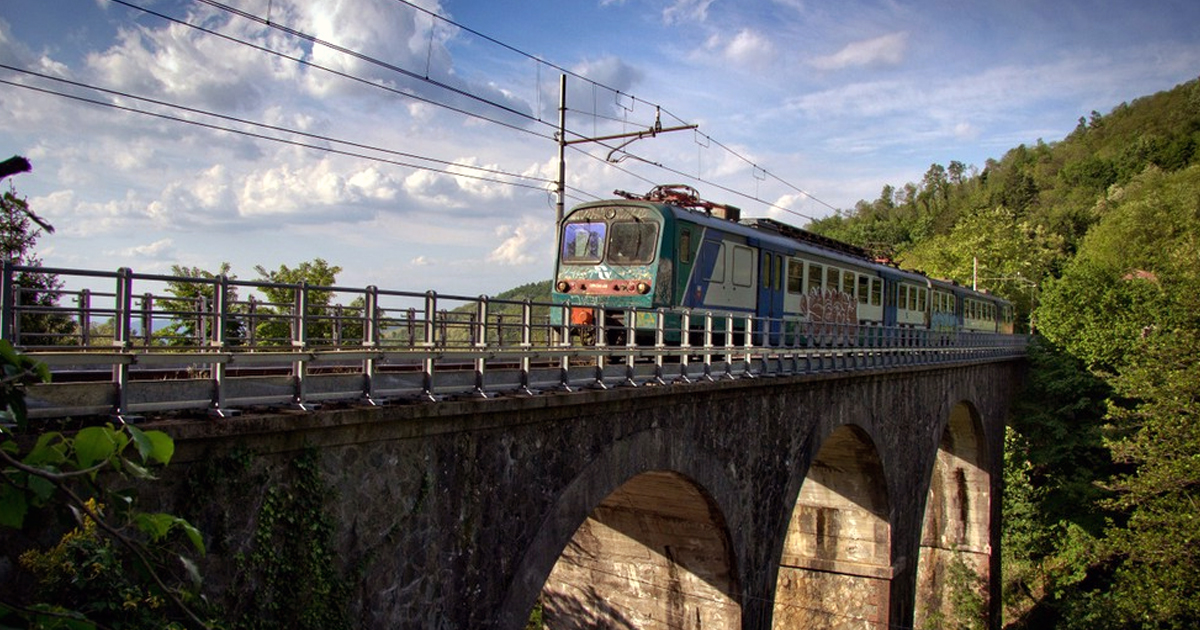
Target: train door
891,284
770,294
709,271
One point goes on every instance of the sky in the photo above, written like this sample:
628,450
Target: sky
412,142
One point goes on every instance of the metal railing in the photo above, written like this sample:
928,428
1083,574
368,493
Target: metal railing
124,344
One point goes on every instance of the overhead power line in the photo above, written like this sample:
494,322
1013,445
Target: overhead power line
541,182
345,75
465,93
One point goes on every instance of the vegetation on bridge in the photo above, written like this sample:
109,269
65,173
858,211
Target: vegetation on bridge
1095,238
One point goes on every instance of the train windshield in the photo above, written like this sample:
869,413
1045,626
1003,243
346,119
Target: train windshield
632,242
583,242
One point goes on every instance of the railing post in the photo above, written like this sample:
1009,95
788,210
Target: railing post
748,346
203,333
685,346
708,345
728,346
218,341
300,316
370,339
660,345
429,330
564,341
630,348
300,342
479,340
601,346
7,309
526,344
122,342
85,311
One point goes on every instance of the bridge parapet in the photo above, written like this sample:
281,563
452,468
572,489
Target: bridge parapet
125,343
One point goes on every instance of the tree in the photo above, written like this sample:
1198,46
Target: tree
197,294
1007,255
275,327
1123,282
20,230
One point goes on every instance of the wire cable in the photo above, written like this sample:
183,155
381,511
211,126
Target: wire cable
339,73
268,126
260,136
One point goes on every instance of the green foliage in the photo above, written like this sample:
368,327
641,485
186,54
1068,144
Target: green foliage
119,567
292,571
316,273
18,237
199,298
1126,279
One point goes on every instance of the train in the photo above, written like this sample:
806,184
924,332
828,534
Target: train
671,250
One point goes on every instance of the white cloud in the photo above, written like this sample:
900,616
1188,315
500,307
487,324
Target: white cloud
749,49
162,249
184,65
519,243
885,49
686,11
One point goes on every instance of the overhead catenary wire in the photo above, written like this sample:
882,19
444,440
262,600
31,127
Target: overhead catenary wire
467,94
345,75
260,136
595,113
252,123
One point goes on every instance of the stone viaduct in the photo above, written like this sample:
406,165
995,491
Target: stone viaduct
857,499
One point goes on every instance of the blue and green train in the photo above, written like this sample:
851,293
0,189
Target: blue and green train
671,250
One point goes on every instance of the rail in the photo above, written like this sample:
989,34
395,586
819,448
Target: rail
127,344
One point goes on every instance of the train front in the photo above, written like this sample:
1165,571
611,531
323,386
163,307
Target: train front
610,260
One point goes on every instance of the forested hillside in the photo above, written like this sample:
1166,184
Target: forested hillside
1095,237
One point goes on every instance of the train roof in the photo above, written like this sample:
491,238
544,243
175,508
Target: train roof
681,202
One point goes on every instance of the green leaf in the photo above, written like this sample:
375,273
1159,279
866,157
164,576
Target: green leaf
93,445
193,535
50,448
139,438
41,488
139,471
153,445
155,526
12,506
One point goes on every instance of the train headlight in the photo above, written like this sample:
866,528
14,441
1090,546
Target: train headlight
643,288
563,286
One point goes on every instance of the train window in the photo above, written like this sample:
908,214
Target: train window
764,275
778,272
864,289
848,282
632,242
685,246
583,242
795,281
832,278
922,298
743,266
876,292
816,275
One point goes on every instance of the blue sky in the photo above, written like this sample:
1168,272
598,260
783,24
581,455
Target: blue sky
802,107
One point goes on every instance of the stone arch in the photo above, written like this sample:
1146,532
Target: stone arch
633,541
652,555
835,570
953,565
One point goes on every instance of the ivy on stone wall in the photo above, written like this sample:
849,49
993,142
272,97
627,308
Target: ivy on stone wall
291,578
